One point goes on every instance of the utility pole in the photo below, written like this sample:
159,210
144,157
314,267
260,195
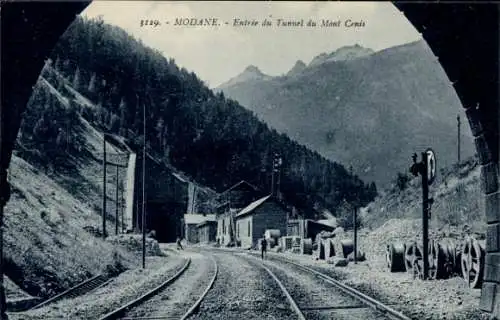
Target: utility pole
275,169
458,139
425,219
355,226
104,186
116,203
144,189
280,162
143,215
272,179
355,234
122,205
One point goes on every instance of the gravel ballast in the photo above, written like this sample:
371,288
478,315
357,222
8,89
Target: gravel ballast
319,299
438,299
243,290
176,299
126,287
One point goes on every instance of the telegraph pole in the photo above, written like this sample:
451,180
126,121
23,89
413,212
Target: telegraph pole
355,234
277,168
425,218
104,186
355,226
144,189
116,203
458,139
272,179
122,205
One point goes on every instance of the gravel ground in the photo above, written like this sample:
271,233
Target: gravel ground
177,298
126,287
439,299
243,291
318,299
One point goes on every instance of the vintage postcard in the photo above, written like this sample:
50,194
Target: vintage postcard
249,160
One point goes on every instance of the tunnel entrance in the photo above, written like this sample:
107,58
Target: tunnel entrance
463,36
165,219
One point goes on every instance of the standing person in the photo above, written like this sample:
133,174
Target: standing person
263,248
179,244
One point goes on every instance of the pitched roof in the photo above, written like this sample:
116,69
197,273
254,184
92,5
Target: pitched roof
328,222
197,218
242,182
206,222
252,206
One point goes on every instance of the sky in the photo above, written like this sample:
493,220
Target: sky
218,53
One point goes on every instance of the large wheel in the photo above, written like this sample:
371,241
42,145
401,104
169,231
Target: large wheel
472,262
434,259
395,256
321,246
412,252
451,259
347,247
438,257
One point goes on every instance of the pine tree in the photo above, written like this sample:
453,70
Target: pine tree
76,79
58,64
91,88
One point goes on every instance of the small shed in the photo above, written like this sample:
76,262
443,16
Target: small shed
306,228
191,222
207,230
260,215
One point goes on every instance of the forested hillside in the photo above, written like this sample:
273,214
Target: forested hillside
213,139
365,109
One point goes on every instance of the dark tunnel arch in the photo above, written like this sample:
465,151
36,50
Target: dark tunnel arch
464,37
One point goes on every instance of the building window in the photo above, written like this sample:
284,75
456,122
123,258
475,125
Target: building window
224,226
248,231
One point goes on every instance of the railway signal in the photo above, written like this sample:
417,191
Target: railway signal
426,168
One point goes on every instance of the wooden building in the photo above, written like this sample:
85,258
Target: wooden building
232,201
253,220
207,231
306,228
191,222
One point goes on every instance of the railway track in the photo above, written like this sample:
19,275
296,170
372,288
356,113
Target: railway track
177,298
80,289
310,298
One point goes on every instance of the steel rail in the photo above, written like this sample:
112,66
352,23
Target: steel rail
373,303
289,297
115,314
195,306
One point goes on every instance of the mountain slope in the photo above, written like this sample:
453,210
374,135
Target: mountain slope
371,112
212,139
251,73
342,54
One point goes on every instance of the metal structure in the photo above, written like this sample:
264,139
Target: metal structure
143,225
105,163
427,170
